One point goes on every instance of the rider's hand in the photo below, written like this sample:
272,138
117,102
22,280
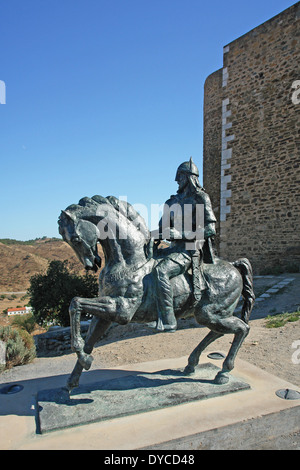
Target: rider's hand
174,234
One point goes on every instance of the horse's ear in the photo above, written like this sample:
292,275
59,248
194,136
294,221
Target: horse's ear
68,215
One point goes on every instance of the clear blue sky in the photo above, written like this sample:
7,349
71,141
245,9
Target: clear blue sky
105,97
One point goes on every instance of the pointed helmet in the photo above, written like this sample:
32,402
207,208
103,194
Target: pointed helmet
187,167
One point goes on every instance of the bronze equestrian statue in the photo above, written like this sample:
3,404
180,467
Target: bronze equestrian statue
141,283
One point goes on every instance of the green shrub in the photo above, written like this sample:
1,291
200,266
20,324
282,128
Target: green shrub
24,322
20,347
51,293
280,319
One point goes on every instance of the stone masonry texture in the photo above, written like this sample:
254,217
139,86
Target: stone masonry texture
251,164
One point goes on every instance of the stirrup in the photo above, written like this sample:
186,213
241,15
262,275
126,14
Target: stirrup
166,326
152,325
159,326
170,328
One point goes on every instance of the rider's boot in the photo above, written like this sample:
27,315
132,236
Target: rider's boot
168,321
164,301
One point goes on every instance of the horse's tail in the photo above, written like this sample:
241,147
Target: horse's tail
243,265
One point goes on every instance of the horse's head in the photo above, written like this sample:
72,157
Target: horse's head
82,235
115,224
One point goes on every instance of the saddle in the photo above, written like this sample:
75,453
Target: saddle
200,253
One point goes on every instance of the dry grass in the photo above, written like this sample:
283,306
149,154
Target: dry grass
19,262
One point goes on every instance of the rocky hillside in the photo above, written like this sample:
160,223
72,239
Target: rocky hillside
21,260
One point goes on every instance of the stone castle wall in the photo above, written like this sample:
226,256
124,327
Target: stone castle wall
252,145
211,141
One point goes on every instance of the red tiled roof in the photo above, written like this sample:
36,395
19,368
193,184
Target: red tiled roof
16,309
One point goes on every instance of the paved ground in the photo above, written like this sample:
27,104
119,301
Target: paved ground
276,294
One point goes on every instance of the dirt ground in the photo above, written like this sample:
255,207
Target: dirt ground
269,349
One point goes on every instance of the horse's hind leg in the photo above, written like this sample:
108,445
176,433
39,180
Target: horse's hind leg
96,330
240,330
195,355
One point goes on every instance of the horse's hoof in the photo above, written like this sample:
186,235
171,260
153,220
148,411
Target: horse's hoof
71,384
221,378
189,370
64,395
85,360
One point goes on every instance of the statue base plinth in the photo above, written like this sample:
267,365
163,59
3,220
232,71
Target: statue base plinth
251,418
130,395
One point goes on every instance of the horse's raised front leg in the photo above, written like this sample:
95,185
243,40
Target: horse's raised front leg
100,307
108,309
96,330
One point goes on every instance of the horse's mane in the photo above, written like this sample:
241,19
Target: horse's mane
123,207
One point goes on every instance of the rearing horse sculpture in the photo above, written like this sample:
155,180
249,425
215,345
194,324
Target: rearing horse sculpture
126,287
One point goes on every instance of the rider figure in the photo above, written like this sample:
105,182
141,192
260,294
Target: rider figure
177,259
